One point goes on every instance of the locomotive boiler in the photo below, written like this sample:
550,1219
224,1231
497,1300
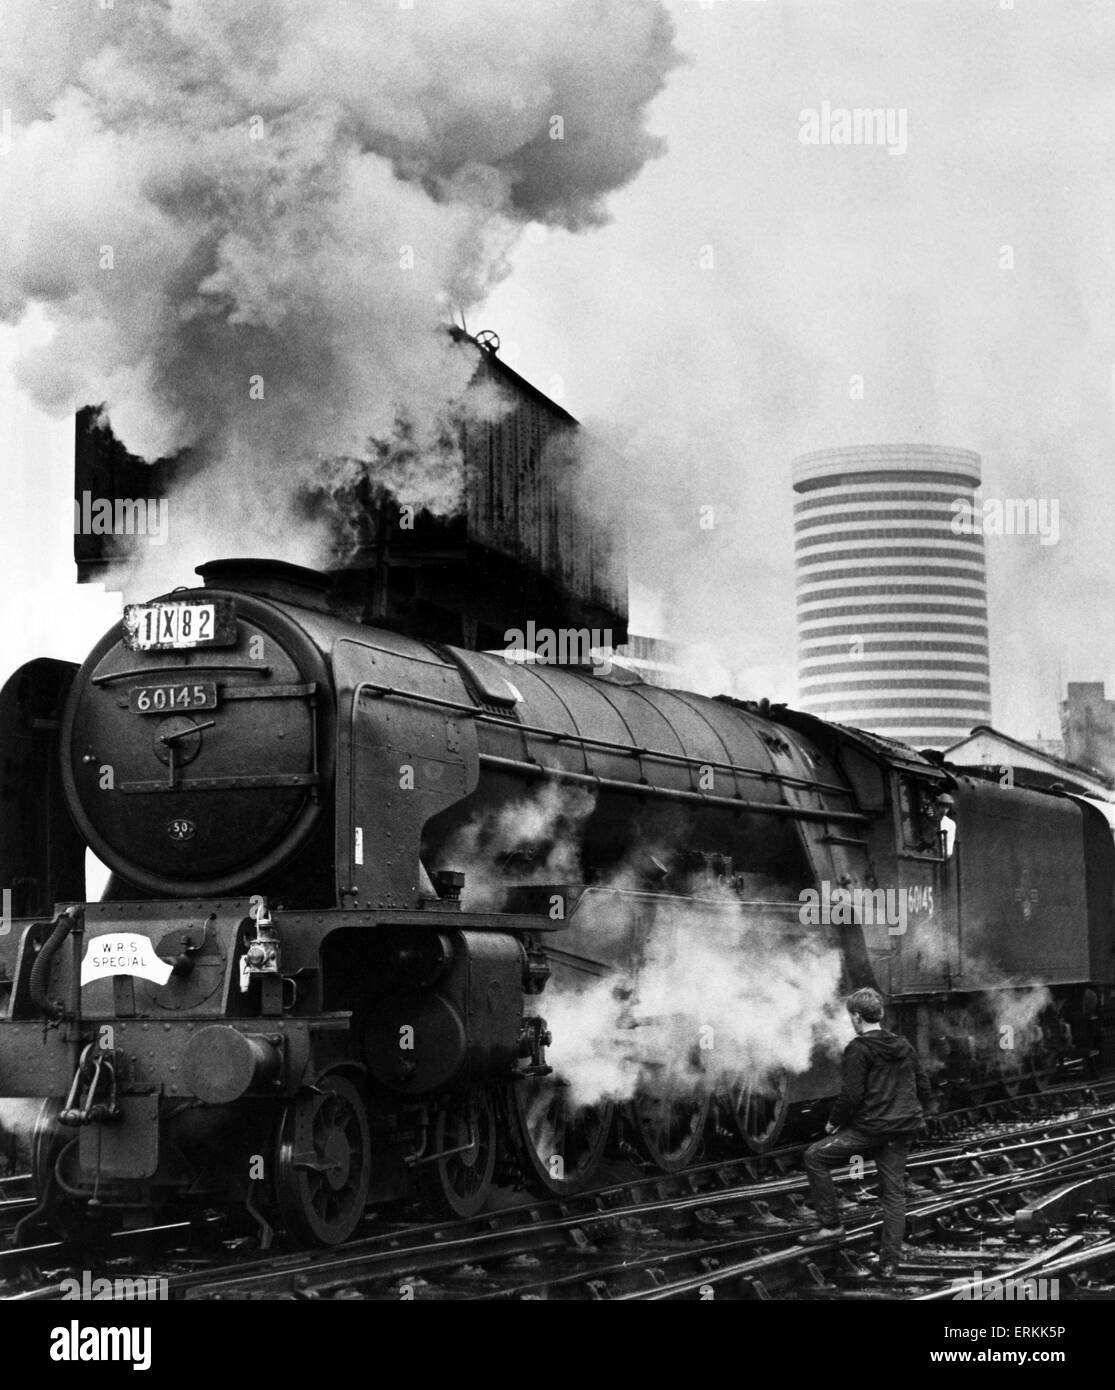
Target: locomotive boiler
309,987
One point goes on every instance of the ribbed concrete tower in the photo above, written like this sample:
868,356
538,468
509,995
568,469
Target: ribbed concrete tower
891,603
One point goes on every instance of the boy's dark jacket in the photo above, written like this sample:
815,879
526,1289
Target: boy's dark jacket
885,1088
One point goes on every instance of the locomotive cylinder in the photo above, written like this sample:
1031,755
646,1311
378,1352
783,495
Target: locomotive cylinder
221,1064
420,1041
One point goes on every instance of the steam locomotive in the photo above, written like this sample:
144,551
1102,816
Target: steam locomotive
300,995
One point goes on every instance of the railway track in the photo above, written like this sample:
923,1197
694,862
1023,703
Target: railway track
977,1216
139,1246
722,1229
13,1210
718,1236
15,1201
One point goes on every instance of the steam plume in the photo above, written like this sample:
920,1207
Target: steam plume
250,223
715,988
534,839
723,996
17,1126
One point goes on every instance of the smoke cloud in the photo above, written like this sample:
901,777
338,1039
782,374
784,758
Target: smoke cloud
758,280
718,996
534,839
250,224
1016,1017
672,994
17,1128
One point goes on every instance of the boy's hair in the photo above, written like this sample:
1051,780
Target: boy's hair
868,1003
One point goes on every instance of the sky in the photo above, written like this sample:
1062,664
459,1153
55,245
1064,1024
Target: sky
751,297
46,613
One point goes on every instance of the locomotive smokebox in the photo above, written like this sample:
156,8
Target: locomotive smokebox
221,1064
197,738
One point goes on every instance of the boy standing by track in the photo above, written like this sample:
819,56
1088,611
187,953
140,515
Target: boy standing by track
879,1110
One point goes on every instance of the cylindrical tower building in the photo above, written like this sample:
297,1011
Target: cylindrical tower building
891,599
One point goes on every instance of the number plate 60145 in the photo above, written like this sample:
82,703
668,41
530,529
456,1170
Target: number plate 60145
163,699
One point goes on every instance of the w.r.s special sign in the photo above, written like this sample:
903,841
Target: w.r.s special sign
123,953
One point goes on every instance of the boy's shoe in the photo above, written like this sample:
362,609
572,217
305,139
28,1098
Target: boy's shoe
821,1234
886,1271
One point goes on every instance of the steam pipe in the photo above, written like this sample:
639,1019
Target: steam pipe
77,933
585,779
40,971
